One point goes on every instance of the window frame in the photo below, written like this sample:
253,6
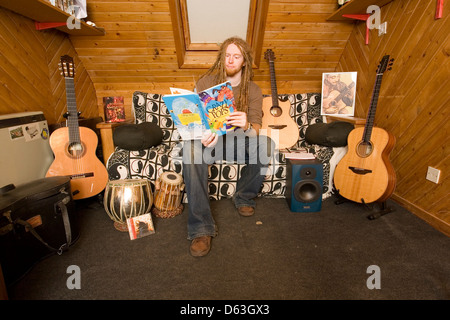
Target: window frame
202,56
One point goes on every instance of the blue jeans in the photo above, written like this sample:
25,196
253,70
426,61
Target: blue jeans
240,147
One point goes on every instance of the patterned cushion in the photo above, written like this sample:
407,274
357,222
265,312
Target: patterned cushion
149,107
150,163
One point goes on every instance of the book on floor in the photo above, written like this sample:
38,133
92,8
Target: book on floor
140,226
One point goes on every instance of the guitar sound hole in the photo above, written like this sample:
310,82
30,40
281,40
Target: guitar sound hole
75,149
276,111
364,149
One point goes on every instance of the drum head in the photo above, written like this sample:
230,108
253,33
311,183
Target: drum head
172,178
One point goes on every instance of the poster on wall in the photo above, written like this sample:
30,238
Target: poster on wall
114,109
338,93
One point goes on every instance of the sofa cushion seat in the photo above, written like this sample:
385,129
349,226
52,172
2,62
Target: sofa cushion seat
223,176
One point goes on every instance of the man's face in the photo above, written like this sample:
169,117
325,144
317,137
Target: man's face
233,60
333,78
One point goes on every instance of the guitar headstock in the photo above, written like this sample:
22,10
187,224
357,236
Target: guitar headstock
67,67
269,55
385,63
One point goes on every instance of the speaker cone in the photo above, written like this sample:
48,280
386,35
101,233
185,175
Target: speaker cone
307,191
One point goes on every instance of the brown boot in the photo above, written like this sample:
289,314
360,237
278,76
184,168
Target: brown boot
200,246
246,211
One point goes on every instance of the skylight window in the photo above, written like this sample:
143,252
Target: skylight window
200,26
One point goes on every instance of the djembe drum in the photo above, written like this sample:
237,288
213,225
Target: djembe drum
168,195
126,199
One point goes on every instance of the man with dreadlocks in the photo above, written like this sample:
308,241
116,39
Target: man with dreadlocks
245,145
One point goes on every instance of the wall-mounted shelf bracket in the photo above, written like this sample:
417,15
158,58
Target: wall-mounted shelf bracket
362,17
439,9
48,25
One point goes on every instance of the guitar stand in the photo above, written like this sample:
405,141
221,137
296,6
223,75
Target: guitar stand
375,215
340,199
384,210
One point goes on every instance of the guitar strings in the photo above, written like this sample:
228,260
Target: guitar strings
73,127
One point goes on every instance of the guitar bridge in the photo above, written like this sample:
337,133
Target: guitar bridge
82,175
360,170
277,127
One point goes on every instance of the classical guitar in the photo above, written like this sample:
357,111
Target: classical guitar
276,119
74,147
365,174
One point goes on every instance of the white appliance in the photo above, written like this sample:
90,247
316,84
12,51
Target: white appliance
25,149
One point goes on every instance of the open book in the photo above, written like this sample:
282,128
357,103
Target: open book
193,113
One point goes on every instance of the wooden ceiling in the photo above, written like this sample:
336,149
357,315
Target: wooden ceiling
138,51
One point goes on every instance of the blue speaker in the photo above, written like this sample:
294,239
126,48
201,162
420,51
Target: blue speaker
304,185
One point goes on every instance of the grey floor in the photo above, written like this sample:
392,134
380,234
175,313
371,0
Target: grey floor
274,255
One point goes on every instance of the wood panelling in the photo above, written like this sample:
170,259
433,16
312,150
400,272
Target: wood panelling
29,71
414,99
138,51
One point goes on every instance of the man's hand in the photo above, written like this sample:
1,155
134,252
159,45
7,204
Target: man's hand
238,119
209,139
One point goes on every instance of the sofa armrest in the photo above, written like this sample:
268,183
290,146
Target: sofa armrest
357,122
106,134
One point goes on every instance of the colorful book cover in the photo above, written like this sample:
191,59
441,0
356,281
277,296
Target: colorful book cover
194,113
140,226
114,109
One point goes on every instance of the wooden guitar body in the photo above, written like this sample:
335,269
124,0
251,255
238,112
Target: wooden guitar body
74,147
78,161
276,121
365,173
280,127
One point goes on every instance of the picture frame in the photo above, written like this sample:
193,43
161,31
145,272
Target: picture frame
114,109
338,93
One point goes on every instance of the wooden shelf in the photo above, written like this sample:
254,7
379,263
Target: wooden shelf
355,7
43,11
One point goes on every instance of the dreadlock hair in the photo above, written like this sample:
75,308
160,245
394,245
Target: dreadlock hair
219,69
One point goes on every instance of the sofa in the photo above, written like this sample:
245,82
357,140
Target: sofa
150,162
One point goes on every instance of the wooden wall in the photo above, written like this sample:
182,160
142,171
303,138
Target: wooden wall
138,50
414,99
29,71
138,53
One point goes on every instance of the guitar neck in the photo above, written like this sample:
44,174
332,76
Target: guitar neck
273,83
72,119
373,106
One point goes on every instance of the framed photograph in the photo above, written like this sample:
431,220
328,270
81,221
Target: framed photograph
338,93
114,109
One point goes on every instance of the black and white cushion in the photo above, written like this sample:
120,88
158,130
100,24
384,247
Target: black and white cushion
150,163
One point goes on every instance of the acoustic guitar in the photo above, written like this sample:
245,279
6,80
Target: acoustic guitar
276,120
74,147
365,174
